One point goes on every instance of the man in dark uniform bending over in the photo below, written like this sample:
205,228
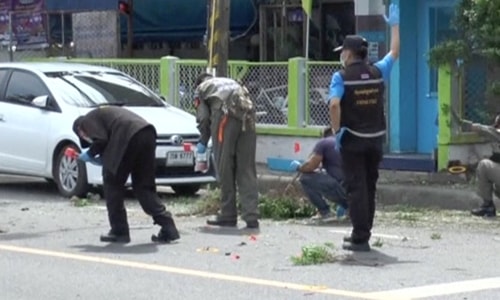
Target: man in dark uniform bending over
125,144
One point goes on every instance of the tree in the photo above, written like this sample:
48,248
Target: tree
478,26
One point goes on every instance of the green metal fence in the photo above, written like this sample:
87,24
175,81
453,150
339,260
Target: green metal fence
290,96
146,71
319,78
463,88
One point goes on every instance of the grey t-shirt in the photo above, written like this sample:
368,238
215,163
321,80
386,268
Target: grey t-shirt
332,161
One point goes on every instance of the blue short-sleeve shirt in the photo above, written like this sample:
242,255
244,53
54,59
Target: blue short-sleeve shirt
337,83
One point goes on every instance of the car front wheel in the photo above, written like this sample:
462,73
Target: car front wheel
70,175
186,189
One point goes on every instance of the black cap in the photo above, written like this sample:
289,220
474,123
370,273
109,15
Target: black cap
76,125
202,77
353,42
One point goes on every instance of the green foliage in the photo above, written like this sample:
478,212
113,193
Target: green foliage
378,243
284,207
435,236
314,255
208,204
271,206
478,26
449,52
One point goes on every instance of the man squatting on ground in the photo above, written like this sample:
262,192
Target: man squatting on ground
226,113
124,144
326,183
488,170
356,104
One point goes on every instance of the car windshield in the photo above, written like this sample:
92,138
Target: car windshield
93,89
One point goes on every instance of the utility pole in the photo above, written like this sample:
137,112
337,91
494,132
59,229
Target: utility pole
127,8
130,29
218,37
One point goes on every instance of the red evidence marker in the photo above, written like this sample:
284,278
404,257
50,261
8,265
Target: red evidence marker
187,147
296,147
70,152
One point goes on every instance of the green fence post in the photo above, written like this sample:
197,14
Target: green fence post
445,105
168,85
297,92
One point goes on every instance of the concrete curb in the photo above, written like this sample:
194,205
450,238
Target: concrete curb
413,194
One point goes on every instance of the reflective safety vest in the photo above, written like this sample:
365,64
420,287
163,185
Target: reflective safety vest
362,105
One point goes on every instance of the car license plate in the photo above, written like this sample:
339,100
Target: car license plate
180,158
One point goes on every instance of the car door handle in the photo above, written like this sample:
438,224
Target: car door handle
1,118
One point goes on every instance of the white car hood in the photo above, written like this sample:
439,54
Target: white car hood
168,120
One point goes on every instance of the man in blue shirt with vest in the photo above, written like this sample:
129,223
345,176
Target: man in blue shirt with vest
356,103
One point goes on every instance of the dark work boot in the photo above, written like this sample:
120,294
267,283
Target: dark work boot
252,224
115,238
487,209
168,233
217,221
356,247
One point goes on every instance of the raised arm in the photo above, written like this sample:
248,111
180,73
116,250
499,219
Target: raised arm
393,21
385,65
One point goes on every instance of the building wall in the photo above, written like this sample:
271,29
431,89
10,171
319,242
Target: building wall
371,25
469,154
403,87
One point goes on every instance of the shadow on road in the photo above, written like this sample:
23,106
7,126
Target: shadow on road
19,236
6,236
227,230
27,188
23,189
374,258
119,248
335,223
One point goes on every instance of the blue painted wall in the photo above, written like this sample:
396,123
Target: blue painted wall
403,85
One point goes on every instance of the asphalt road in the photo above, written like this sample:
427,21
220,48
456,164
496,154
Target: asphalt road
50,249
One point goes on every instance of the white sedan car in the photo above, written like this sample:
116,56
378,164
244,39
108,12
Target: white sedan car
40,101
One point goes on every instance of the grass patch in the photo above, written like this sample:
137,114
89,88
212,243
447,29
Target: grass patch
284,207
271,205
80,202
406,216
314,255
435,236
87,201
378,243
208,204
408,213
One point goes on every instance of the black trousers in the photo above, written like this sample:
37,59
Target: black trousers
361,158
138,161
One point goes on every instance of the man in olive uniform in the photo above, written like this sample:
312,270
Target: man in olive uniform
226,113
356,104
124,143
488,170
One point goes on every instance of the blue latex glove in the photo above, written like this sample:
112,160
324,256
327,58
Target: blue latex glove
96,161
338,138
294,166
85,157
340,211
393,18
200,148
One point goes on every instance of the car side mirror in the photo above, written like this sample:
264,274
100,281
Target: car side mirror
41,101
